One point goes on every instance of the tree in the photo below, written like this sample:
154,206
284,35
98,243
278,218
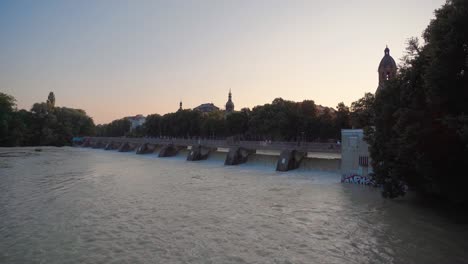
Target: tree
7,103
362,112
342,120
420,136
237,123
45,124
116,128
152,125
7,106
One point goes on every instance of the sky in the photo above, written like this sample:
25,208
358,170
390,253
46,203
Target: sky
116,58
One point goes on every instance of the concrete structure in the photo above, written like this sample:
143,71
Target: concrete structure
198,153
355,158
127,146
168,150
112,145
237,155
291,156
290,160
146,148
387,68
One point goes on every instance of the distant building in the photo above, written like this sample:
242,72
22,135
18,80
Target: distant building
387,68
180,106
229,104
136,121
206,108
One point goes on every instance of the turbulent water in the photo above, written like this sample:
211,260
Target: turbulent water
71,205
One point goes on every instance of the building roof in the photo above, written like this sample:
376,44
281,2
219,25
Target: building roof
387,60
208,107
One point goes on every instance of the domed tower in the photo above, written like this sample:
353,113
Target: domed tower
229,104
387,68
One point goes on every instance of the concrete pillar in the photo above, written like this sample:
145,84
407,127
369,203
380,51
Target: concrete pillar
125,147
86,143
145,148
98,144
237,155
198,153
289,160
168,151
109,146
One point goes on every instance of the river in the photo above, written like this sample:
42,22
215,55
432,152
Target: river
75,205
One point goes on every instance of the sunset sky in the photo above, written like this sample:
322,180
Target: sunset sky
120,58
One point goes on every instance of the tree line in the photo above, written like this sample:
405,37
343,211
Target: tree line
44,125
282,120
47,124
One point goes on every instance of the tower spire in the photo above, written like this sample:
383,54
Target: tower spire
229,104
387,68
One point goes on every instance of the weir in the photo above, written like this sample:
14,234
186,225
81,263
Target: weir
198,153
290,160
127,147
169,150
292,153
111,146
146,148
238,155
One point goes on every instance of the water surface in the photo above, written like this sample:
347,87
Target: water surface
71,205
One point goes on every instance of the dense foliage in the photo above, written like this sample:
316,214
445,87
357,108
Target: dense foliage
117,128
420,138
45,124
280,120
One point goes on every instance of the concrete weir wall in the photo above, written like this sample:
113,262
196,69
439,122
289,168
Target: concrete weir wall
168,151
290,158
198,153
237,155
112,146
146,148
98,144
127,147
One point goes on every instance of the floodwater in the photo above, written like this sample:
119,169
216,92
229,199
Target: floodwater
72,205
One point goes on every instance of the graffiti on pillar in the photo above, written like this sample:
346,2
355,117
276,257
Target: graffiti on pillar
357,179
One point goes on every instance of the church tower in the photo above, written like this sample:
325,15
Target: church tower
229,104
387,68
180,106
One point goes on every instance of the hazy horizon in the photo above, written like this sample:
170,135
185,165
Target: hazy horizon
121,58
